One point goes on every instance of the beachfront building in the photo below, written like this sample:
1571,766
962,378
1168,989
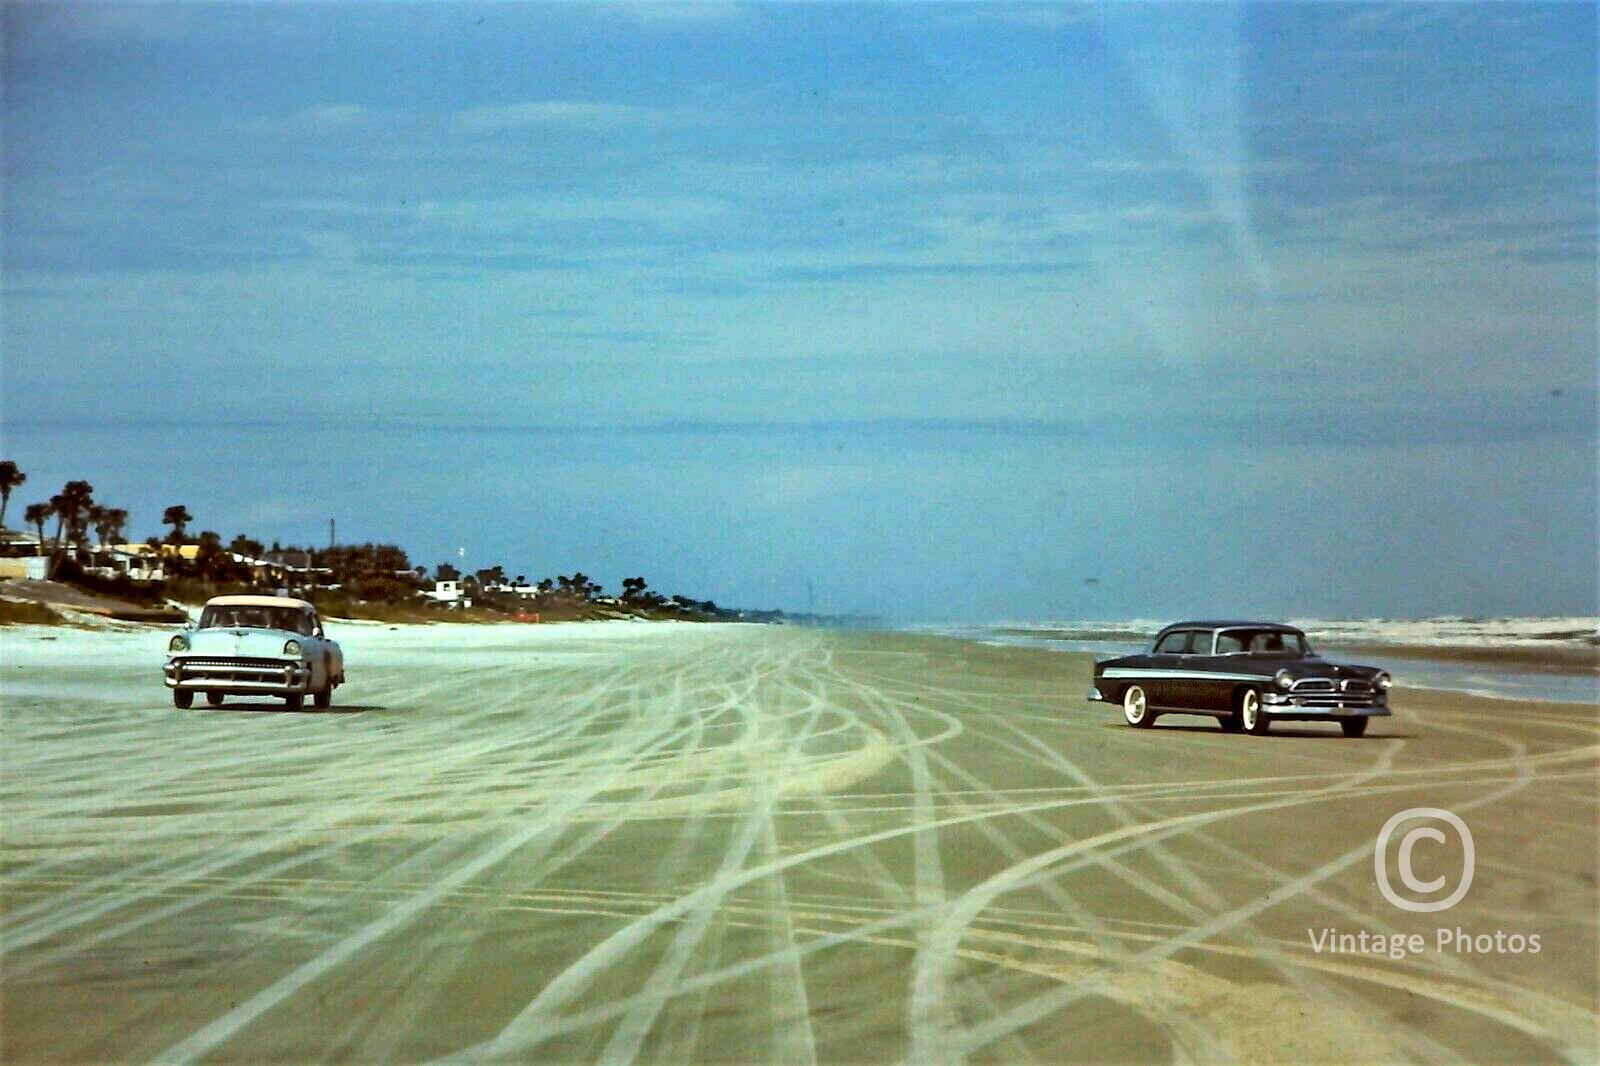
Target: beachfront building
24,567
525,592
136,562
447,592
22,556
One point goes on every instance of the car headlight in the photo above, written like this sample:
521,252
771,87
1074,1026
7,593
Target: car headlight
1383,681
1283,679
291,647
178,643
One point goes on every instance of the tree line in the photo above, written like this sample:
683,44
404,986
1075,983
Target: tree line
380,572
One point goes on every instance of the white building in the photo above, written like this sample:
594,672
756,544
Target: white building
445,592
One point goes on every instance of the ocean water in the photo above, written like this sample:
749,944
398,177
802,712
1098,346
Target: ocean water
1107,639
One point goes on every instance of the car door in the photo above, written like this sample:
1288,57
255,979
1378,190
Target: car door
1186,688
1208,688
1162,678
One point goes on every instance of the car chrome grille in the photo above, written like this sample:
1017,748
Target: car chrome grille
234,663
231,673
1326,692
1312,684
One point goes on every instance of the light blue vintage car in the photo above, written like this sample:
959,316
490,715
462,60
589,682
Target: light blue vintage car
255,646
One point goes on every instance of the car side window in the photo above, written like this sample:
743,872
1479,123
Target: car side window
1172,643
1201,643
1267,642
1229,643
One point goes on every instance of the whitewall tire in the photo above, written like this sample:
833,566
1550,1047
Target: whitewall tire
1251,717
1136,708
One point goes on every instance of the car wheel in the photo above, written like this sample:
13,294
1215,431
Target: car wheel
1230,723
324,696
295,702
1251,718
1353,727
183,698
1136,708
214,699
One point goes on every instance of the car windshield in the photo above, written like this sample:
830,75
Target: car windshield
233,616
1286,643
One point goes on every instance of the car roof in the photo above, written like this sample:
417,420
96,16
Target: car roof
1236,624
255,601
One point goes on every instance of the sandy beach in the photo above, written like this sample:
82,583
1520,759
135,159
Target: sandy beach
717,843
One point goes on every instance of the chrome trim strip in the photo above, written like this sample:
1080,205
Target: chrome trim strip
1204,675
1316,714
264,671
206,684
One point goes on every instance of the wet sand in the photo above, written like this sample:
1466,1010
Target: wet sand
686,843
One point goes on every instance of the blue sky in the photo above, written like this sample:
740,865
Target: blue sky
933,311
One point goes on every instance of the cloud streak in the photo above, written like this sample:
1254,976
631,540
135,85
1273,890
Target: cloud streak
583,114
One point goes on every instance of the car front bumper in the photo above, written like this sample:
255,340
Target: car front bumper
1285,705
289,677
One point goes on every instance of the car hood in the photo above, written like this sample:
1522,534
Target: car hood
245,643
1299,668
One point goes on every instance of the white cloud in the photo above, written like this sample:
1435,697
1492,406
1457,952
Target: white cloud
330,117
1408,18
529,214
553,113
315,120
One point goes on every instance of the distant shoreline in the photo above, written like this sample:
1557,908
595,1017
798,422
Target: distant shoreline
1563,659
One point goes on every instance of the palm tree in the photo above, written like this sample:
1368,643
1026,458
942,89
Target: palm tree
10,478
108,523
58,508
243,545
72,505
36,516
212,562
177,516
